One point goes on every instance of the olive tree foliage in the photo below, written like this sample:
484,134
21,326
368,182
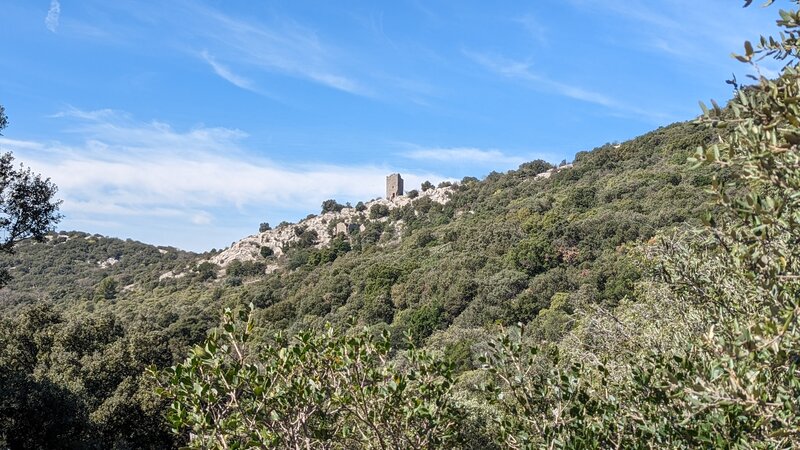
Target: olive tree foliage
539,403
316,390
28,208
735,384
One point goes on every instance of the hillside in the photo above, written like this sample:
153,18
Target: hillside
497,251
69,265
447,266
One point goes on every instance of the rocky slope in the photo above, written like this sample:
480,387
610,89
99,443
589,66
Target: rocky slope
326,226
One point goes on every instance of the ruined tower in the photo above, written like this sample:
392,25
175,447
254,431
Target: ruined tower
394,186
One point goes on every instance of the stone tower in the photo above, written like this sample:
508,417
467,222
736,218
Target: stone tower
394,186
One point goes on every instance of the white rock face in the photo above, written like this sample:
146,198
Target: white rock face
550,172
107,263
167,275
60,235
248,248
171,274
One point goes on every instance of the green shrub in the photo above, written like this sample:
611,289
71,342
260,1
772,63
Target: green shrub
317,390
378,210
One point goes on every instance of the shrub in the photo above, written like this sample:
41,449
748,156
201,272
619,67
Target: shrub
106,290
245,269
378,210
206,270
302,392
331,206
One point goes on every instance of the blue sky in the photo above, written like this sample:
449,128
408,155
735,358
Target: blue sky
189,123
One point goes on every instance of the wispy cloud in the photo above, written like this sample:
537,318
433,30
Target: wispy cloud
534,27
202,218
53,14
226,73
463,155
633,9
523,71
283,47
93,116
666,28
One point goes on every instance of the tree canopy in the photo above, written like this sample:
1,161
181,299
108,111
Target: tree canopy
28,207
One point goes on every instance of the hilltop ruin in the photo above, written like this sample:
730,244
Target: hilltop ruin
394,186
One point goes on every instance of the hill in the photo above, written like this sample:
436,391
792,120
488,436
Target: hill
70,265
84,314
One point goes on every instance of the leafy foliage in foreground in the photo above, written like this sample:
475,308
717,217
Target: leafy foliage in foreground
319,390
79,383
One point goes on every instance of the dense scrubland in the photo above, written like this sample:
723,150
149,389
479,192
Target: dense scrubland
645,297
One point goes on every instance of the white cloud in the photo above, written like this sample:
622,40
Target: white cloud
95,115
17,144
226,73
53,14
463,155
202,218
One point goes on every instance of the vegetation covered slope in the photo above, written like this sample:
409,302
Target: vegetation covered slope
70,266
510,248
501,248
702,354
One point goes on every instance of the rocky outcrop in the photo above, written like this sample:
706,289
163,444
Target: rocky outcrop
249,248
107,263
546,174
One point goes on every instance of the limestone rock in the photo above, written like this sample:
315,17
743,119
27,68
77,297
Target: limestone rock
248,249
546,174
